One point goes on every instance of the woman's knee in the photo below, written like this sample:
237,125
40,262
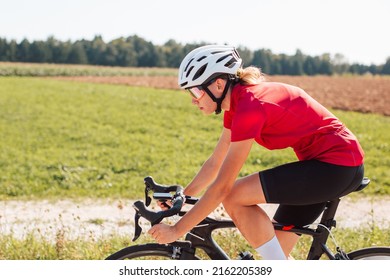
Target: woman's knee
246,191
229,202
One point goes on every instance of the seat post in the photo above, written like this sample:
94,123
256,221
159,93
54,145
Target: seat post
327,219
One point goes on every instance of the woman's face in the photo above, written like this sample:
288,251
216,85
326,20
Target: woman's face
205,103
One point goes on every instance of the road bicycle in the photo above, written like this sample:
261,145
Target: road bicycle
200,238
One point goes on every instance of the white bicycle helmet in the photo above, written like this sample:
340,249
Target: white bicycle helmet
206,63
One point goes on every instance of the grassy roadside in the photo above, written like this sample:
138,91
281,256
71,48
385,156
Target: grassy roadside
36,247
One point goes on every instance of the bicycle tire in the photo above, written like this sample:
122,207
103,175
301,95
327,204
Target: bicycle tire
371,253
150,251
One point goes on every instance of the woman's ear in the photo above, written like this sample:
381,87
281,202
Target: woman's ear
219,83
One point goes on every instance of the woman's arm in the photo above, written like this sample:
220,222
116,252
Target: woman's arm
219,189
210,167
215,194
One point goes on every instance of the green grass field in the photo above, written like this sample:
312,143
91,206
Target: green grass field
69,139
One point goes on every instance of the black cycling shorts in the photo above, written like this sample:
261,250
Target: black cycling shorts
302,188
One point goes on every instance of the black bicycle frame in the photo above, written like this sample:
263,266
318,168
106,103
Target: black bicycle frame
201,235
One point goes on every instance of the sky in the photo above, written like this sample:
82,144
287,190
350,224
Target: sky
357,29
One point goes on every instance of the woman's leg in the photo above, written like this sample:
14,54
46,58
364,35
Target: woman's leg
287,241
252,221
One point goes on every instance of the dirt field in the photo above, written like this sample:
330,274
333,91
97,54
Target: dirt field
362,93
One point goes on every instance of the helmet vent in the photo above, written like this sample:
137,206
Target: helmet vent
231,63
189,62
222,58
200,72
200,59
189,71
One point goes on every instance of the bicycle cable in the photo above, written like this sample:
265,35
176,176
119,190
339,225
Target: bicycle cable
330,232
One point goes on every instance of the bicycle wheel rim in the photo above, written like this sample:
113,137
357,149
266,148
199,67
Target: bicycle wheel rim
372,253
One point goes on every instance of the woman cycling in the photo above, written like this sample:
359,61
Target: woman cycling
275,116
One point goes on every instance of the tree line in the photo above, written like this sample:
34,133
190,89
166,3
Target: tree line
135,51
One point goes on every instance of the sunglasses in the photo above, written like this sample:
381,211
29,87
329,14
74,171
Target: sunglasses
197,92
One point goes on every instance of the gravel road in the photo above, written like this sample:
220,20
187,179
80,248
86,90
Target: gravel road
102,218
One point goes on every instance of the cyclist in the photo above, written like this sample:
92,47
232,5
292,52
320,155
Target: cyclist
276,116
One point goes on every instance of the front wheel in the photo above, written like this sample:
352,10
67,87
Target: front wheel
372,253
150,251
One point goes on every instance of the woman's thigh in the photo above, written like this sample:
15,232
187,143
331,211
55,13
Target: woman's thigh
247,191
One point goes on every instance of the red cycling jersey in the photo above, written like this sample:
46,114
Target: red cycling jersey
278,116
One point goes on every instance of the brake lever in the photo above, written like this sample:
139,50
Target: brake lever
148,200
155,217
137,227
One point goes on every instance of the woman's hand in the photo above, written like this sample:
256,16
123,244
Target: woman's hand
164,205
163,233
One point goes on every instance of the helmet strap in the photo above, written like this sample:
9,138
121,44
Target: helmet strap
220,99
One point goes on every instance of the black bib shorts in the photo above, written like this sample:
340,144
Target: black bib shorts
302,188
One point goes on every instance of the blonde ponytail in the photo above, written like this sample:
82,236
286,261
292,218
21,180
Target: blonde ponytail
250,75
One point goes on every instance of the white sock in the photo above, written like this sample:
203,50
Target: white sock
271,250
